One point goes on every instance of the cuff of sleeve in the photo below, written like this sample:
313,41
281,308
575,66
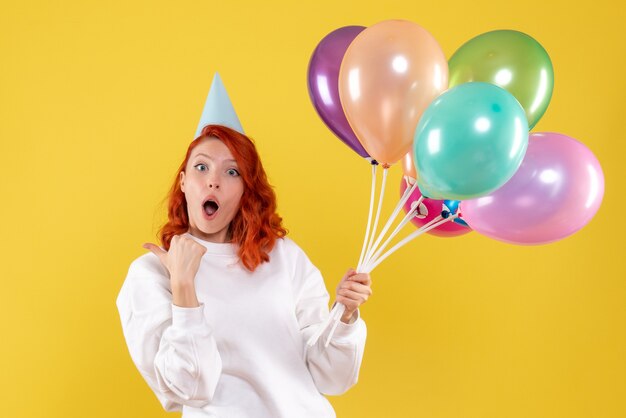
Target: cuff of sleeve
183,317
347,332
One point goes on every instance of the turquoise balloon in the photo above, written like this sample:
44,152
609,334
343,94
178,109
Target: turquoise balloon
469,141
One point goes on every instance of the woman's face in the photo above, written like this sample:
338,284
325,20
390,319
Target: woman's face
213,187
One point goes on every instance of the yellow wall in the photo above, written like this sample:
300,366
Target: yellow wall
98,101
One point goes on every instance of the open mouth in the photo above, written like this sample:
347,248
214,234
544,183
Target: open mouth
211,207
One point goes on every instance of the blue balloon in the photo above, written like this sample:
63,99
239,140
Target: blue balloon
461,222
451,205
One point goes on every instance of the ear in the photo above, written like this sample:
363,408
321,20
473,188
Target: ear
182,181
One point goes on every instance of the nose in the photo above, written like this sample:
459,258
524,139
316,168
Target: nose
213,184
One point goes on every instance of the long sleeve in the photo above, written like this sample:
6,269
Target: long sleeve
335,368
172,347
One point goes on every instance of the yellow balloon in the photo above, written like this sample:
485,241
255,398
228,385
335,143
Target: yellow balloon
388,76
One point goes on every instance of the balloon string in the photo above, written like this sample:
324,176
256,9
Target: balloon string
336,320
380,204
409,216
407,193
424,228
335,316
430,225
339,308
369,217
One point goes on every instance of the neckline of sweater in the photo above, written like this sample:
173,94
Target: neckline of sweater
223,248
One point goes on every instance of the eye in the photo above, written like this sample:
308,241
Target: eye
233,172
201,165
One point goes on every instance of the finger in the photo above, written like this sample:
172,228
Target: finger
158,251
190,244
357,287
351,272
352,295
348,303
361,278
200,247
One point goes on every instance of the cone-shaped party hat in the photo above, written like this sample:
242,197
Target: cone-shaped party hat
218,110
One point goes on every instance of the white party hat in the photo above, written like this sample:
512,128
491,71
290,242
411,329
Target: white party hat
218,110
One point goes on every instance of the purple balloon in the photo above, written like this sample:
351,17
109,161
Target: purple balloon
556,191
323,84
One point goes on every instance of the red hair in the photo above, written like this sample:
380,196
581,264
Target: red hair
256,226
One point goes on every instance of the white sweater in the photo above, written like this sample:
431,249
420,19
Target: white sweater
242,352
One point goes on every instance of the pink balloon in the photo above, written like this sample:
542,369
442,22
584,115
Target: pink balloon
448,229
555,192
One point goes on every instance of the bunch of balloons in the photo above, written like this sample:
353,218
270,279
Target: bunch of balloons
461,128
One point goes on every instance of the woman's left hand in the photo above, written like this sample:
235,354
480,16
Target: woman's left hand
353,290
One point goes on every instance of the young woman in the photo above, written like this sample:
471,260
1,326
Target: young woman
217,320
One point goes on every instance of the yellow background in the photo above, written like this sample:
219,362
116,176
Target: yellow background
98,102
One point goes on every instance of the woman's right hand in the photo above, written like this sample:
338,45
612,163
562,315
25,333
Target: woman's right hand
182,262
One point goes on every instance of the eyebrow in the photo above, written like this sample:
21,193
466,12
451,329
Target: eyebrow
199,154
